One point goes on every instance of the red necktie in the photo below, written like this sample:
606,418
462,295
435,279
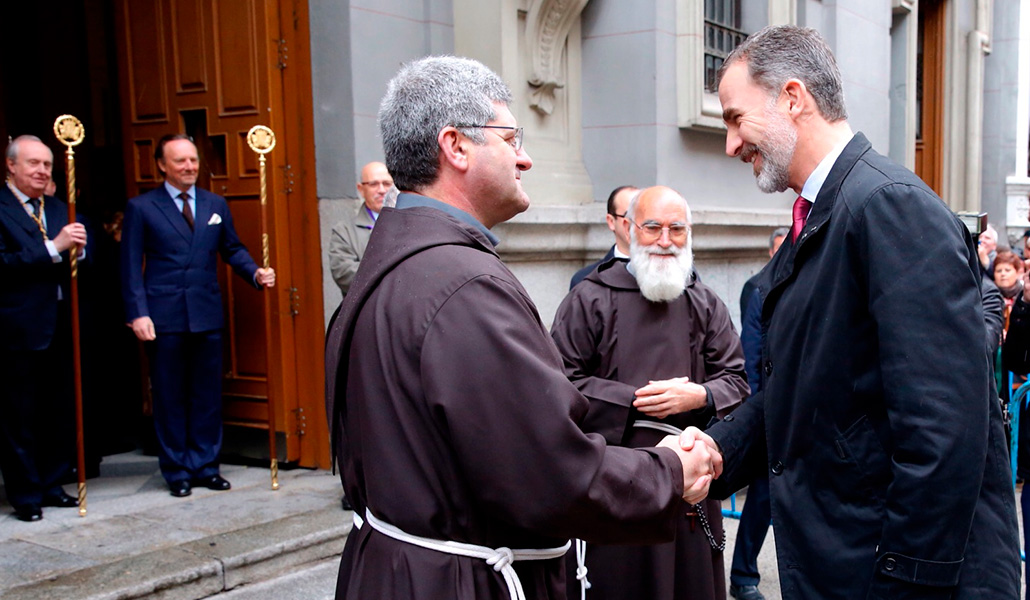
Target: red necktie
800,214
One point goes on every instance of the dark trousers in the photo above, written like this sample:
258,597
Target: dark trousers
37,418
186,381
754,525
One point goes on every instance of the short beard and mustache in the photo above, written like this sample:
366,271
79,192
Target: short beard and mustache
661,279
777,151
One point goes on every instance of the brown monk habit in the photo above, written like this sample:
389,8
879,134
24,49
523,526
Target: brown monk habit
613,342
453,420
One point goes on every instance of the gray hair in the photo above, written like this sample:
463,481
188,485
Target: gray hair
424,97
12,146
779,53
631,210
779,232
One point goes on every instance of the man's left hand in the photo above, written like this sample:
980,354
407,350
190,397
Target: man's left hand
265,277
660,399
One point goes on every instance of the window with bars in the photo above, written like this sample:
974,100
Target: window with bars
722,34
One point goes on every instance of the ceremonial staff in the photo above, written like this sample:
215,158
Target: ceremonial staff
262,140
69,131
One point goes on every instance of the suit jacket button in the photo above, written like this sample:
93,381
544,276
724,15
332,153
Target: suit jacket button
890,564
728,418
768,368
777,468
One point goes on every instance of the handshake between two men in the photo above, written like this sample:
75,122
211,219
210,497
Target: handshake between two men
701,460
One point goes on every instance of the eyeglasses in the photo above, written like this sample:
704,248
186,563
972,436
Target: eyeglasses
378,184
618,216
651,231
515,141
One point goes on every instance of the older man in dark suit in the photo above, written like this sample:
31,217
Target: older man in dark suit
35,351
174,305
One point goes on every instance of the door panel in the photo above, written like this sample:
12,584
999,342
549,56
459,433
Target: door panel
220,59
236,35
189,46
930,94
143,29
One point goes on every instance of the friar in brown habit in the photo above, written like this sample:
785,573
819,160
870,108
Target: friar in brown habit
453,423
654,350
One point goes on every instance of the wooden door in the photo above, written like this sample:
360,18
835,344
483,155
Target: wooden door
930,94
213,69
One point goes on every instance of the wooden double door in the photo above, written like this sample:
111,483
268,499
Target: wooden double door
213,69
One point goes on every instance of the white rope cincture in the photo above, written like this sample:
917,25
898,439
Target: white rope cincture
659,426
581,568
500,559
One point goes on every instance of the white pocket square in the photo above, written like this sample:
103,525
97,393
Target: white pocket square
215,219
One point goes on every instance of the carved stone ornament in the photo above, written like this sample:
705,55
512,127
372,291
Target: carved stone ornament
548,23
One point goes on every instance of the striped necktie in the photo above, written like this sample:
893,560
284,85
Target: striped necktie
187,213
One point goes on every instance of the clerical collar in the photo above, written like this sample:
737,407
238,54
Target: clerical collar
409,200
822,170
619,253
174,191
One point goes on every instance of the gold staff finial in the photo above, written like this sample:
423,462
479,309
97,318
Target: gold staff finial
69,130
261,139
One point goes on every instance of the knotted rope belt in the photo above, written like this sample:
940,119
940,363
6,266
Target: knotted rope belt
500,559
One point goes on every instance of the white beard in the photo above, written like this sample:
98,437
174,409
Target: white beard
661,279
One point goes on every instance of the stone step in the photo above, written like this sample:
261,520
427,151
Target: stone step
207,566
315,582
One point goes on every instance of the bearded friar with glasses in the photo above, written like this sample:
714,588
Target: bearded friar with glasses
655,352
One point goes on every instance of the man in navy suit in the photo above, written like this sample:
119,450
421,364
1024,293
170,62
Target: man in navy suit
618,200
35,332
174,304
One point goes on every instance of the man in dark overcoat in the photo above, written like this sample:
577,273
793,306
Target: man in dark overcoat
36,394
453,423
889,473
655,352
172,236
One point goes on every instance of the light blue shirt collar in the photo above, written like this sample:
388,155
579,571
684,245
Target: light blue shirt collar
24,199
174,192
818,177
21,196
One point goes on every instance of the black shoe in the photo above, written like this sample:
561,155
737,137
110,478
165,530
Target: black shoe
180,489
60,500
345,504
28,513
746,592
215,482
